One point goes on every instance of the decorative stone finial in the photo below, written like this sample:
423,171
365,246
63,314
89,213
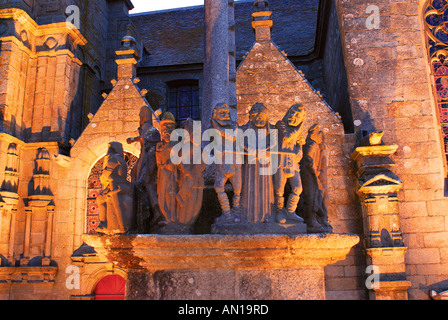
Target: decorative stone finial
262,20
261,5
128,40
127,56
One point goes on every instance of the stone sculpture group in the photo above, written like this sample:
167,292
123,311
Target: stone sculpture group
166,197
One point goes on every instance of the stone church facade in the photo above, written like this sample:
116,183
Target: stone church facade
75,74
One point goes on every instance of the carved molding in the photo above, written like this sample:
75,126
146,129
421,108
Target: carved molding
155,252
43,31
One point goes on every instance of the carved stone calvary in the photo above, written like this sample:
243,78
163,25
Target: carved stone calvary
115,200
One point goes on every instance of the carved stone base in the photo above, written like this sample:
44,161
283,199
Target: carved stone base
259,228
390,264
223,267
391,290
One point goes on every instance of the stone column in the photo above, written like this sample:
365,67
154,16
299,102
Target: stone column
219,60
26,244
232,58
49,236
378,187
40,60
12,233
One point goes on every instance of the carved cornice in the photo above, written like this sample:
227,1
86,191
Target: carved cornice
28,275
155,252
43,30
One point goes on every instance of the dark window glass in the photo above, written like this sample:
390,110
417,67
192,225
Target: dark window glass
183,100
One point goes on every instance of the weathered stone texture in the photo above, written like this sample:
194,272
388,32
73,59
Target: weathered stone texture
226,283
334,72
390,91
36,93
38,87
267,76
389,88
221,267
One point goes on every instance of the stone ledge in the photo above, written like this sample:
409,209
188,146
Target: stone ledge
393,285
258,228
261,252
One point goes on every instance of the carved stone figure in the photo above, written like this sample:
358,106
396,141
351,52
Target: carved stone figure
258,191
314,177
225,172
191,185
145,124
115,200
144,174
290,135
167,188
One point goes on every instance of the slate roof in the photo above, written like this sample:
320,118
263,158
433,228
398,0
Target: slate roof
175,37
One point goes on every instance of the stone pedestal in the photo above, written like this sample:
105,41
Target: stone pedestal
392,284
378,189
223,267
258,228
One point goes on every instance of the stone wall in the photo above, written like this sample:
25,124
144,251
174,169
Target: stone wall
390,91
334,72
29,6
39,76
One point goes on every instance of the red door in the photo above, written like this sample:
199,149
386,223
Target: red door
110,288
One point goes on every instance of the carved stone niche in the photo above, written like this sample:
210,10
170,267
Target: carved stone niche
8,190
5,120
9,199
42,195
378,190
40,199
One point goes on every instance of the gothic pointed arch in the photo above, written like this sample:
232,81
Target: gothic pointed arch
436,29
94,188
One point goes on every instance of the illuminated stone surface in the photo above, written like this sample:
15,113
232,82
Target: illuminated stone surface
224,266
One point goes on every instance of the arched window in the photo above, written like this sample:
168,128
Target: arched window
183,99
436,19
94,187
110,288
